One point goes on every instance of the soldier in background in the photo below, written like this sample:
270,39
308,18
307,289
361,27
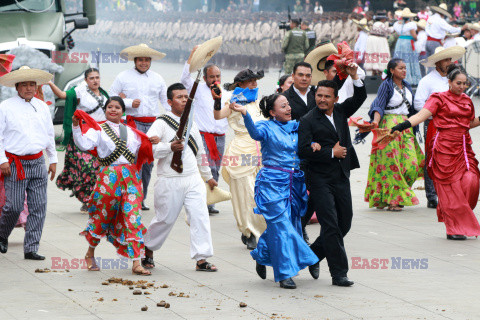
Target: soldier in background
294,46
311,36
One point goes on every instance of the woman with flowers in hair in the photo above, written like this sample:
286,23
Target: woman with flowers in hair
280,192
114,208
395,168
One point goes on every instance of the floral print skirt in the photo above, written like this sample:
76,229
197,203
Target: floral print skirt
79,173
114,211
394,169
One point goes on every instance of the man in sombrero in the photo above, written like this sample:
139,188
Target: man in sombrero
26,129
435,81
141,89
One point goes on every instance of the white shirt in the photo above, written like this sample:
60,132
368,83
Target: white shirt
149,87
421,43
361,44
449,42
437,27
476,37
163,151
431,83
105,146
26,128
396,100
203,105
304,97
403,29
88,103
346,91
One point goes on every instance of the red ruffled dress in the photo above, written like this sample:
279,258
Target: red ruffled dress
452,163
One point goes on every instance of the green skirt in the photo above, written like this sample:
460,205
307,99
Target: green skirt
394,169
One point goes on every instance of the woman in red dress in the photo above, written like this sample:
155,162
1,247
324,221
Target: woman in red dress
452,163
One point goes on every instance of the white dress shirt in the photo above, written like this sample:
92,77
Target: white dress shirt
403,29
346,91
361,44
26,128
397,99
105,146
304,97
431,83
476,37
88,103
421,43
437,27
203,105
163,151
149,87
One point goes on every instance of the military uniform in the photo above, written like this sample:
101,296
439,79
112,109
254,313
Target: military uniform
294,46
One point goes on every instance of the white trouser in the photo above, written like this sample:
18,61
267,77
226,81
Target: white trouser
171,193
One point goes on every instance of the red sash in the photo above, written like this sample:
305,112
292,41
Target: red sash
434,39
131,120
18,164
211,144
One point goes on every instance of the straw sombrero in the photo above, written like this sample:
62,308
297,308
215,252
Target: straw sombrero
142,50
455,52
422,23
317,58
216,195
406,13
204,53
474,26
442,9
25,74
361,23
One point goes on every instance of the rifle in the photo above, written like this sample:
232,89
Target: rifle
177,163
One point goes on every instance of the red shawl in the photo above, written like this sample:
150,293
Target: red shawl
145,152
342,59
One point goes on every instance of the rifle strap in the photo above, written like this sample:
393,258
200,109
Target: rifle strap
172,123
120,146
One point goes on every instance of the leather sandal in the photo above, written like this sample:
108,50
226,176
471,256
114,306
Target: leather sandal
93,265
141,271
148,262
206,266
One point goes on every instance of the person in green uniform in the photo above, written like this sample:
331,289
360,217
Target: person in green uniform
294,46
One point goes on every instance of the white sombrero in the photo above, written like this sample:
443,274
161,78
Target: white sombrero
455,52
361,23
216,195
474,26
406,13
442,9
204,53
25,74
141,50
317,58
422,23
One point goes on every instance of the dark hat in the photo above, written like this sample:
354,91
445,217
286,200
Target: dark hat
242,76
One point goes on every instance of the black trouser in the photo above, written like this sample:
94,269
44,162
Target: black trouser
332,201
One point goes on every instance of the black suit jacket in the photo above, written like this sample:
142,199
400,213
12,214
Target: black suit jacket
299,108
315,127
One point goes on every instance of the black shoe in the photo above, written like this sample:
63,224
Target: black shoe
288,284
33,256
244,239
432,204
456,237
314,270
3,245
261,271
144,207
251,242
342,282
212,211
305,236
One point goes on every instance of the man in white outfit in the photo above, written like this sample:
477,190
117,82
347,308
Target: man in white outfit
175,190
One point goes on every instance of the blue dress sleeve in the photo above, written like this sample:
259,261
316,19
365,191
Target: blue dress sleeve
258,131
380,101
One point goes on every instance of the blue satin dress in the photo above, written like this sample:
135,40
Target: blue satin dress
281,197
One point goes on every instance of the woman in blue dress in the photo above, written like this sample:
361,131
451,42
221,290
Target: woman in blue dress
280,192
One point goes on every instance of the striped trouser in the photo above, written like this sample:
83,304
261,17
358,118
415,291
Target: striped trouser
35,186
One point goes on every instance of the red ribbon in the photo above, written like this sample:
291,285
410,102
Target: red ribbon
13,157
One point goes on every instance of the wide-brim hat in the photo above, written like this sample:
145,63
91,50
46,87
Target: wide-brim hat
406,13
422,23
25,74
6,61
242,76
204,53
141,50
217,195
442,9
317,58
363,23
454,52
474,26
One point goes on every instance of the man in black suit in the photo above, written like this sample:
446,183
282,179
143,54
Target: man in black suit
328,171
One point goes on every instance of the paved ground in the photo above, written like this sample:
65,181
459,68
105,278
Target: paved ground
444,285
